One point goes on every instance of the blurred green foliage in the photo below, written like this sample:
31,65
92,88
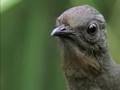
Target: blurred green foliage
29,56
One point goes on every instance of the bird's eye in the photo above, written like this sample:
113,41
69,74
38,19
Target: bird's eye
92,28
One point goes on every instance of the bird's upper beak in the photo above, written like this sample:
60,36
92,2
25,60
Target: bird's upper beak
61,31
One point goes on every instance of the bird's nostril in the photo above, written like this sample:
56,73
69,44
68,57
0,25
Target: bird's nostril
63,29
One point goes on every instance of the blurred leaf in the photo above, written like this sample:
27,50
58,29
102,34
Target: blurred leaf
114,31
6,4
105,7
81,2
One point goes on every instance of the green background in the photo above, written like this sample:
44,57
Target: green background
30,59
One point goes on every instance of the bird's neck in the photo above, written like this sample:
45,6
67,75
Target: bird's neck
78,66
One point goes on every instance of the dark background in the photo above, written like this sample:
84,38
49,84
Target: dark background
30,59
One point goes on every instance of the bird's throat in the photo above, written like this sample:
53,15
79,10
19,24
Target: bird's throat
78,64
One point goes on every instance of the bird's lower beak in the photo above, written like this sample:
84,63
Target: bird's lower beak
61,31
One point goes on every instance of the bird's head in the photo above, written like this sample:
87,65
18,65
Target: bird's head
83,28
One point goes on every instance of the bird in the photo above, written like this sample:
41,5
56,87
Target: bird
87,64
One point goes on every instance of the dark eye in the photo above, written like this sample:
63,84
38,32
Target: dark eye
92,28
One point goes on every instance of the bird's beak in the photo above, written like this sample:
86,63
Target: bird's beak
61,31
